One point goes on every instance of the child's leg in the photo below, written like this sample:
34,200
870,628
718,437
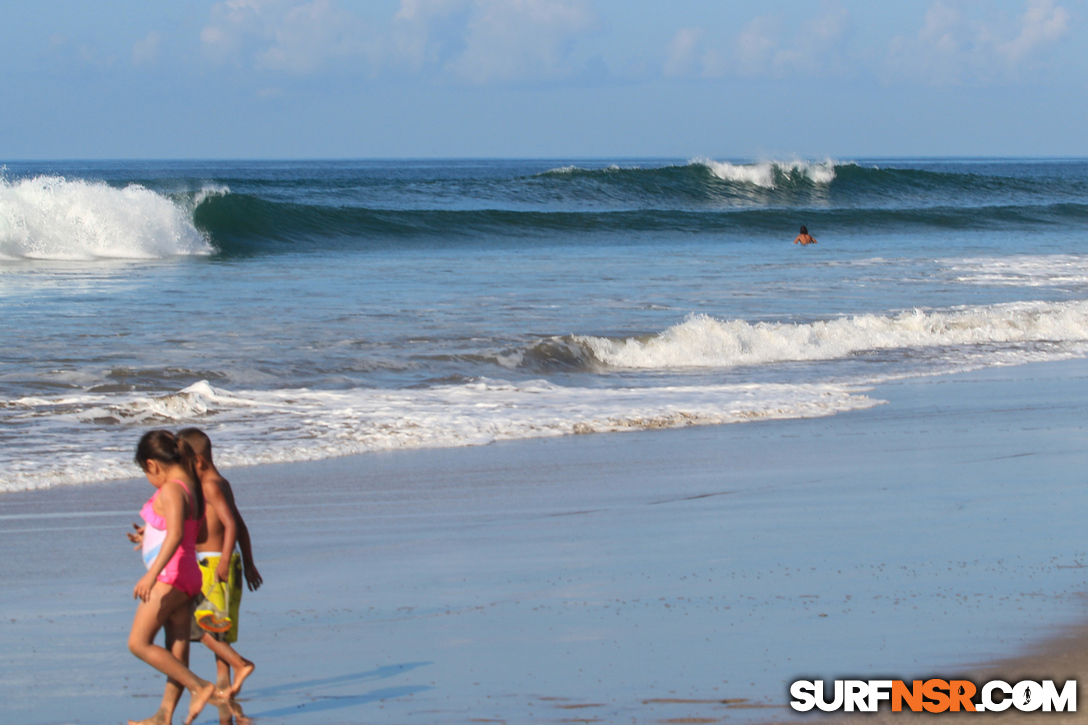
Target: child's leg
167,604
222,672
243,668
178,644
171,696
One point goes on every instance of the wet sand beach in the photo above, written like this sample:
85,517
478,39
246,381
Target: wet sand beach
661,576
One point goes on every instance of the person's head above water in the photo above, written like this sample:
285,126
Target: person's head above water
804,229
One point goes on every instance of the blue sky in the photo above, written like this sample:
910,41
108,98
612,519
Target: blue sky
542,78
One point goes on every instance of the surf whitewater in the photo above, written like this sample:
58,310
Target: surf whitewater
300,310
702,341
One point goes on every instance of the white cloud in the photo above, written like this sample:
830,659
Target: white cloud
512,39
683,56
280,35
1043,23
954,47
484,41
473,41
232,22
819,47
310,35
146,51
428,34
765,48
753,51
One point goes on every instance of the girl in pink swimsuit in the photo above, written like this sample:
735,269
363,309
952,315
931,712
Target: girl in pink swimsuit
173,515
182,570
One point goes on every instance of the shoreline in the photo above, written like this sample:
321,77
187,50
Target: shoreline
649,575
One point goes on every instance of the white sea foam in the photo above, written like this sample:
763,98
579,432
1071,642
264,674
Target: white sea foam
703,341
298,425
50,217
572,169
83,437
1045,270
765,174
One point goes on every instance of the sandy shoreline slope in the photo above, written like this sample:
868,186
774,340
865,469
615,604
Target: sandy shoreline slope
641,577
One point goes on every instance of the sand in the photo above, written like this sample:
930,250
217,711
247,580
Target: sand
662,576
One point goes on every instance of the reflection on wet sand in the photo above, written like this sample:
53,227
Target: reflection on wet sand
230,713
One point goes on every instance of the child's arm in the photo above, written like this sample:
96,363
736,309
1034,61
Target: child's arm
213,496
253,577
173,510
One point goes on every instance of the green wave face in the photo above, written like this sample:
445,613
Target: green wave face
587,205
245,224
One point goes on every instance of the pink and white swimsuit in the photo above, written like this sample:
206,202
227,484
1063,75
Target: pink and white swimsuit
182,571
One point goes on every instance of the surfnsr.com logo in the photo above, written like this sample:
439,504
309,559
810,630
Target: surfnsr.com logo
934,695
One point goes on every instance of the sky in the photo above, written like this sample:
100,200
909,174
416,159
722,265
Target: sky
286,79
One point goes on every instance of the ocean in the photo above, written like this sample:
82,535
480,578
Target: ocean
304,310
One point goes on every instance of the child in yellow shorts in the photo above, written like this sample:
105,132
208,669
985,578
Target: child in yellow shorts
215,621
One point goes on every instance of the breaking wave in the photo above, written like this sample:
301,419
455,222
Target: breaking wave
50,217
704,341
764,174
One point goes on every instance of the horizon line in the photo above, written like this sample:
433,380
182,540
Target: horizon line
689,158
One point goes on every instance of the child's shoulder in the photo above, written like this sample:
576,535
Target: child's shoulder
214,481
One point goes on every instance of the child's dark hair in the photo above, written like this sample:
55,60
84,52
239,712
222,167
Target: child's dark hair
164,447
804,229
199,441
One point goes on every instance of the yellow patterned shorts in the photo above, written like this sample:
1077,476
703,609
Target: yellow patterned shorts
208,564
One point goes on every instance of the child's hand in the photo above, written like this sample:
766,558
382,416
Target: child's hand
138,537
222,572
142,590
253,577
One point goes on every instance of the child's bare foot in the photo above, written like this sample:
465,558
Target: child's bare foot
199,699
159,718
240,675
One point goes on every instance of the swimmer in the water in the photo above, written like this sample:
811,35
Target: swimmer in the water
804,237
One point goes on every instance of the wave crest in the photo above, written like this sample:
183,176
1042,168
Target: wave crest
50,217
703,341
770,174
197,401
